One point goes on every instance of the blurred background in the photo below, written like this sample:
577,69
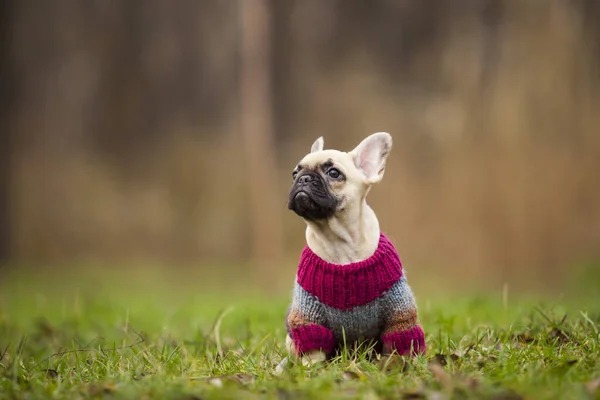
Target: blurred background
156,135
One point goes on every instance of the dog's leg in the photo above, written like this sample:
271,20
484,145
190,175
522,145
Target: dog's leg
307,340
308,358
402,333
308,336
404,342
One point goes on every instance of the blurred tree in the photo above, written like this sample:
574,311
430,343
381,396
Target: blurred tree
6,102
256,116
132,124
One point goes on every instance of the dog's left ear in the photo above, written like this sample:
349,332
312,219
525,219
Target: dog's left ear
317,145
371,154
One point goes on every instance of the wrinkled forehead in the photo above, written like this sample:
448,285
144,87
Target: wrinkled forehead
317,159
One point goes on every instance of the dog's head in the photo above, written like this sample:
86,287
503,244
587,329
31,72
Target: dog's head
327,183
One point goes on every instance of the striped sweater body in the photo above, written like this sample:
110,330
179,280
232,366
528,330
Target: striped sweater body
367,300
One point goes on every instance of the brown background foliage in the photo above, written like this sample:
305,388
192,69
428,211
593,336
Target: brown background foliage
165,132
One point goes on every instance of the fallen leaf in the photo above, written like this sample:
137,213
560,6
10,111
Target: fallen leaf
280,368
138,375
437,396
216,381
388,363
440,359
51,373
242,379
414,395
98,389
482,361
593,386
350,376
524,338
472,383
440,375
562,336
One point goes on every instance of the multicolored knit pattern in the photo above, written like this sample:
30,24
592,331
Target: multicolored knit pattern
367,300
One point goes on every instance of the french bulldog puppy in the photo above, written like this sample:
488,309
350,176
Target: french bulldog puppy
350,286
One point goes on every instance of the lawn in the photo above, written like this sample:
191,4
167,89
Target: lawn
115,339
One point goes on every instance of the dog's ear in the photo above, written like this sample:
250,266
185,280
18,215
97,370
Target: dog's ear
371,154
317,145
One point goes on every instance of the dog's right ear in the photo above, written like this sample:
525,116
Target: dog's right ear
371,154
317,145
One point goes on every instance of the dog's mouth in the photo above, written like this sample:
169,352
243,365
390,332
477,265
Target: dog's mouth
310,197
305,206
303,200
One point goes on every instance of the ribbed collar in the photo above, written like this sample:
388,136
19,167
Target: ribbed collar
347,286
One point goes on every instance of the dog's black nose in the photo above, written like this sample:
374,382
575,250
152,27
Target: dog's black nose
305,179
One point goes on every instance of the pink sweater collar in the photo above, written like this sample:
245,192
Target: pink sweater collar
347,286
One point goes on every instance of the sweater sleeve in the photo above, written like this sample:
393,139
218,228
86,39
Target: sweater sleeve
306,323
402,332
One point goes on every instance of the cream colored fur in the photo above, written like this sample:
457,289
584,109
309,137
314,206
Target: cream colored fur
352,234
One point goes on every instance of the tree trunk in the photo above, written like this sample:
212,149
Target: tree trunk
6,103
256,122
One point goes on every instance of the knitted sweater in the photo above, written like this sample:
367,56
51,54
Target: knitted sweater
367,300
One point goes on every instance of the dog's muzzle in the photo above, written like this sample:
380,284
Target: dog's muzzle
310,197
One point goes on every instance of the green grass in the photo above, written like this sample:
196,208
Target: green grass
119,339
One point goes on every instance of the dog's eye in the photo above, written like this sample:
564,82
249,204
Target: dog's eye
294,174
334,173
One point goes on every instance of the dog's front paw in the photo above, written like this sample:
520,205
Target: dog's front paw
307,357
313,357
